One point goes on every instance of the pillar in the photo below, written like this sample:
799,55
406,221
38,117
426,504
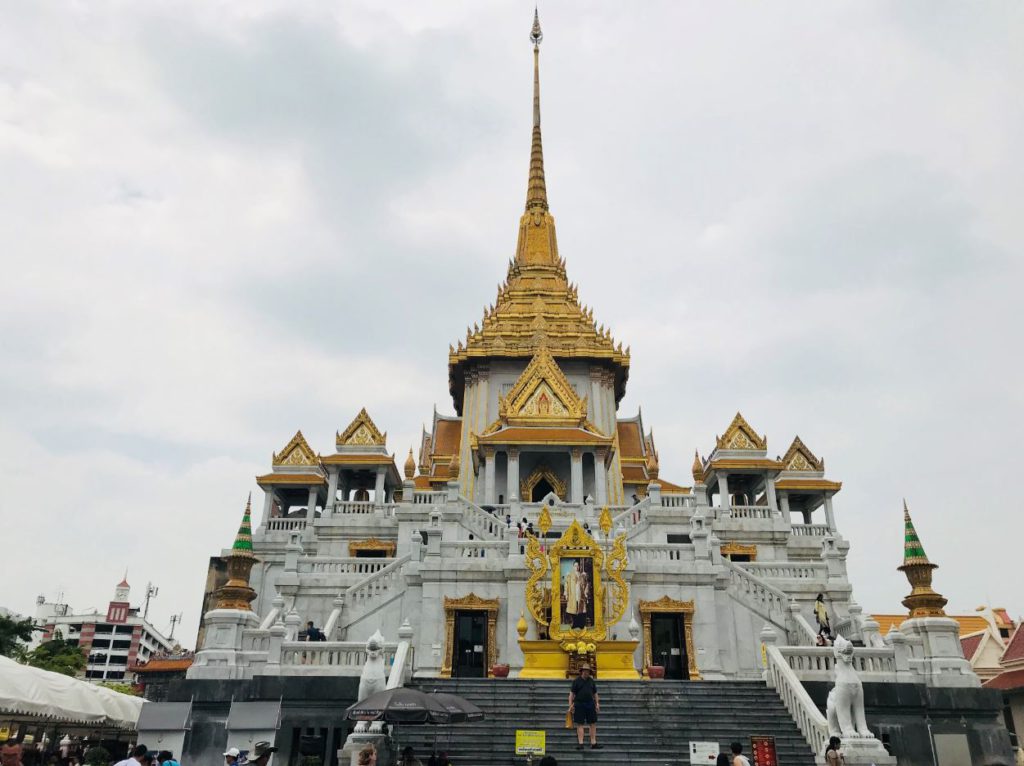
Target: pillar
311,506
769,490
513,475
723,491
378,487
600,478
268,505
343,486
332,488
488,475
784,498
830,518
576,477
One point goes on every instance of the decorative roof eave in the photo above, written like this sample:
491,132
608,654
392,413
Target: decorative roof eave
293,479
740,435
740,464
553,435
356,459
296,452
361,431
799,458
810,485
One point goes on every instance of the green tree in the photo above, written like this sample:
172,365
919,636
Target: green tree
57,655
119,687
13,633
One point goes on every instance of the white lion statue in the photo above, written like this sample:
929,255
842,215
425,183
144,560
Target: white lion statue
373,679
845,705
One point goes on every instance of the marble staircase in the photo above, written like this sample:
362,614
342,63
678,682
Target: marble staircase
642,722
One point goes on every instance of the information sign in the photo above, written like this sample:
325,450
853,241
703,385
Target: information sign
704,753
763,750
529,742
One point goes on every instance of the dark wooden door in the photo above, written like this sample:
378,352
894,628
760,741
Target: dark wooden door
668,645
470,660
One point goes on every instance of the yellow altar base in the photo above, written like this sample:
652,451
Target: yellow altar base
547,659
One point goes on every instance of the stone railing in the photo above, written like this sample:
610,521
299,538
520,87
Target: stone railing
770,570
648,552
763,598
362,508
810,530
357,566
327,657
633,515
781,677
817,663
255,640
475,549
669,500
482,523
432,497
751,512
371,591
285,525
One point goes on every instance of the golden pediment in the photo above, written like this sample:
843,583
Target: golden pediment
665,604
296,452
541,396
362,431
799,458
471,602
741,436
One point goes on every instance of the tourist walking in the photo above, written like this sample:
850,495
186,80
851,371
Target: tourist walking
231,756
261,753
166,758
738,759
833,755
139,754
821,616
584,705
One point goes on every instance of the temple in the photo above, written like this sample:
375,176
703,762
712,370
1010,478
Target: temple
530,529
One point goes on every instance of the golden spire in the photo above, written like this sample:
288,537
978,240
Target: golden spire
922,601
536,192
236,593
410,465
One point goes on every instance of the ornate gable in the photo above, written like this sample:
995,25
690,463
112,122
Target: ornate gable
542,396
799,458
296,452
739,435
361,432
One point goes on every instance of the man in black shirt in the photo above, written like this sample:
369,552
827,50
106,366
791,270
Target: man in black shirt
584,704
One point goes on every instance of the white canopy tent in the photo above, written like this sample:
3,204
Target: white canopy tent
55,697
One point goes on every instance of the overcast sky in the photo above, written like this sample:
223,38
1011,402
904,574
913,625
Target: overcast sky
223,221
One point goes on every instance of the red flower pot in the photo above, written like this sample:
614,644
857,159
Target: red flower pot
656,672
499,671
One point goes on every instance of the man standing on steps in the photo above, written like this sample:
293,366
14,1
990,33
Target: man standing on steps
584,704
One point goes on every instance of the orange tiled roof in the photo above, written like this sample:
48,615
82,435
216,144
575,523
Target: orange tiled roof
667,486
630,443
1014,651
633,474
164,665
969,623
303,479
447,437
970,644
1007,680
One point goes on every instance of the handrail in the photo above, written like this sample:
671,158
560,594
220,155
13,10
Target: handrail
364,591
798,702
814,663
786,570
346,565
475,549
804,628
762,597
632,515
480,522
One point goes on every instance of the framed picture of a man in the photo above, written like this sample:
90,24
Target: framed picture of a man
576,593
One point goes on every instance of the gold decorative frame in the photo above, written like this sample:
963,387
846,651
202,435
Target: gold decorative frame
738,549
576,543
373,544
470,603
541,472
670,606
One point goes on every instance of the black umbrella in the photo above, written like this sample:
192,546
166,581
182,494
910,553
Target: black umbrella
399,705
459,708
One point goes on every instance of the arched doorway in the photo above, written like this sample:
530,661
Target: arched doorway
539,483
541,490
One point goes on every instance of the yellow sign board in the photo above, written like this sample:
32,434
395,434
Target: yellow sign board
529,742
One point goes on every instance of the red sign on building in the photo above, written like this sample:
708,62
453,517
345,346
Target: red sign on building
763,750
117,611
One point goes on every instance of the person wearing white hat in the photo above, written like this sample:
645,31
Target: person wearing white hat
231,756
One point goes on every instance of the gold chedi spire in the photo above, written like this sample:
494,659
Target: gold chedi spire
922,601
410,465
236,593
536,306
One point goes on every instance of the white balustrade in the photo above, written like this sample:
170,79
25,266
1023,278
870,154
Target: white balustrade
255,640
661,552
810,530
285,525
372,590
429,498
325,656
751,512
475,549
770,570
765,599
633,515
782,678
356,566
817,663
676,501
482,523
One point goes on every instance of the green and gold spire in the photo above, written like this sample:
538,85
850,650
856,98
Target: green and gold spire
923,601
236,593
243,540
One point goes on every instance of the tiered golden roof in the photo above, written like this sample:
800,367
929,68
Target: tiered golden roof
536,306
296,452
361,431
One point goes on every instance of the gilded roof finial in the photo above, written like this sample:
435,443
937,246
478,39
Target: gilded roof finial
236,593
536,193
923,601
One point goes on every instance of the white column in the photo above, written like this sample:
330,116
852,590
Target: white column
769,490
311,507
332,487
830,518
378,488
723,491
343,486
576,476
784,497
268,505
513,475
489,475
600,479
